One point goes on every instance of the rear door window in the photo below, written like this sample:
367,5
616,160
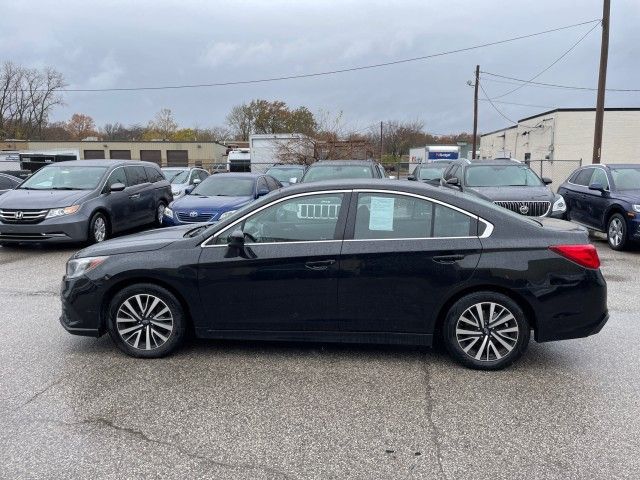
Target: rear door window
153,174
136,175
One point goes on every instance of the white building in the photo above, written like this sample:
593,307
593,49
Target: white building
567,134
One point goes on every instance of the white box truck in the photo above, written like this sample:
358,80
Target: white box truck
269,149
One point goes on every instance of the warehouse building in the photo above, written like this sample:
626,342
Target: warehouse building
162,153
567,134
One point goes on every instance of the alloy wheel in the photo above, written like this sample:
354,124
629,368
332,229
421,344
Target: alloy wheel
144,322
487,331
615,232
99,229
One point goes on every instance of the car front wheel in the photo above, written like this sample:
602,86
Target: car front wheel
617,232
98,228
146,320
486,331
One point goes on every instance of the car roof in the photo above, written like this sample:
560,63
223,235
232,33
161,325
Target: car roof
238,174
499,161
324,163
615,165
182,168
103,163
287,165
11,177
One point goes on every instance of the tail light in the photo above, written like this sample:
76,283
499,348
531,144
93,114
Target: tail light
584,255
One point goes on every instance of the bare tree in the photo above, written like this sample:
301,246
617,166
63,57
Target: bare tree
163,124
27,97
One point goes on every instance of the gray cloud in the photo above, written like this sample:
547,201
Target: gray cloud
122,43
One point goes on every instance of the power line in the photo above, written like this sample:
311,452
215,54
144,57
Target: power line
330,72
550,65
494,107
516,104
555,85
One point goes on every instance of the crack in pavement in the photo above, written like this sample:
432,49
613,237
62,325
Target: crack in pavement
42,392
104,422
432,424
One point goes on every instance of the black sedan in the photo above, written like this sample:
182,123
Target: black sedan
606,198
365,261
430,172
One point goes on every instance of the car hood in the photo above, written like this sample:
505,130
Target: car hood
632,196
513,193
138,242
218,203
42,199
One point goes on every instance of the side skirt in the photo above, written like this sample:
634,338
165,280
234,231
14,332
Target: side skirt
381,338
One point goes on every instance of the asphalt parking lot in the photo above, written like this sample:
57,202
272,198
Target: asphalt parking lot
73,407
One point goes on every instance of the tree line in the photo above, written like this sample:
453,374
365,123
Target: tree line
28,96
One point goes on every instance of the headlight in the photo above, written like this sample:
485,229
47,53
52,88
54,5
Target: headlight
227,214
168,212
559,205
58,212
80,266
636,208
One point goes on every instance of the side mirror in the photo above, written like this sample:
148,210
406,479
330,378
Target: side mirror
411,177
262,192
236,239
453,182
189,189
547,180
293,180
196,181
117,187
597,186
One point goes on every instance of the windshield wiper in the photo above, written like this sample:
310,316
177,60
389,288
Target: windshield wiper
195,231
65,188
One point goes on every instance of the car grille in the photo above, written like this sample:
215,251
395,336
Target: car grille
22,216
200,217
533,208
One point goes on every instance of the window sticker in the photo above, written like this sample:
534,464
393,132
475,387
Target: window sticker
381,217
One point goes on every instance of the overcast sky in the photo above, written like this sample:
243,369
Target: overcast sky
170,42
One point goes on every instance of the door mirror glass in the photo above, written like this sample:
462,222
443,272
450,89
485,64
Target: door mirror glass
117,187
454,181
410,177
196,181
597,186
293,180
547,180
262,192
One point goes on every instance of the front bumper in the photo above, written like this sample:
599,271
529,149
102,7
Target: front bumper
633,228
81,314
63,229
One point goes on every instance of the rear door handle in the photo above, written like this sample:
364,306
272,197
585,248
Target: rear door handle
448,258
135,195
319,265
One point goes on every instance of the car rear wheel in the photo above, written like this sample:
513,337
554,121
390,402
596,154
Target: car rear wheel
617,232
486,331
98,228
146,320
160,213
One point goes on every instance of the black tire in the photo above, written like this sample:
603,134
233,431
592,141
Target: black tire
492,341
158,220
617,232
154,340
98,228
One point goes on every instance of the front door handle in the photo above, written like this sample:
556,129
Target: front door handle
134,196
448,258
319,265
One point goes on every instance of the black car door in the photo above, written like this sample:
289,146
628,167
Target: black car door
596,202
121,206
286,276
141,191
401,256
578,198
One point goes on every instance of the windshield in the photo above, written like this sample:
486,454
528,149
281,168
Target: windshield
432,172
626,178
501,176
285,174
59,177
336,172
225,186
176,175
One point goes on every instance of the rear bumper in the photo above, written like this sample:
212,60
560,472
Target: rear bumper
71,229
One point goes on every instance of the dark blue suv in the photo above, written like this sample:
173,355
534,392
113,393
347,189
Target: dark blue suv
606,198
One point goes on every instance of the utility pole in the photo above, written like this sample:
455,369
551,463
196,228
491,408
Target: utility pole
381,141
475,112
602,81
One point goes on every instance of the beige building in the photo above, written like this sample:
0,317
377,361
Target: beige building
162,153
567,134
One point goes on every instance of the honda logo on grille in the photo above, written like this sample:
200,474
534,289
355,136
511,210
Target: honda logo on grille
19,215
523,209
193,214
